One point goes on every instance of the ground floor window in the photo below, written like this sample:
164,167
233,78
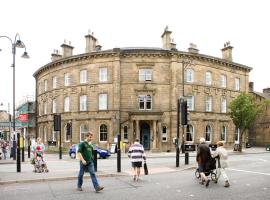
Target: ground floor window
83,131
223,134
103,131
125,133
208,133
190,133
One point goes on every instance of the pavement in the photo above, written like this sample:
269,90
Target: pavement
67,169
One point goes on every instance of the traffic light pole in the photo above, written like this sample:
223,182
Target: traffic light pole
177,140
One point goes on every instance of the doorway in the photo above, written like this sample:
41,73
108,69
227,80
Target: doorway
145,135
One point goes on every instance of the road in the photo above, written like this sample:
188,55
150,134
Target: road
249,177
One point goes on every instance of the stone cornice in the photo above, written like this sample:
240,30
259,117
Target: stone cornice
139,52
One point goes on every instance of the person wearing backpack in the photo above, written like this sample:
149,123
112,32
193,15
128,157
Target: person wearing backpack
222,155
86,156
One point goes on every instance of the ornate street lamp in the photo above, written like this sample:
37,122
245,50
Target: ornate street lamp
17,43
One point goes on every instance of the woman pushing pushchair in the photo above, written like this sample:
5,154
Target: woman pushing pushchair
38,157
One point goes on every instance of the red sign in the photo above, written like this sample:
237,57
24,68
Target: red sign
23,117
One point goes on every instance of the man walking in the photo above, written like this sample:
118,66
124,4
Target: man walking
85,154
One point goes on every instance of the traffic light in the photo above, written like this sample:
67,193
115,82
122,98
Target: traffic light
184,113
57,123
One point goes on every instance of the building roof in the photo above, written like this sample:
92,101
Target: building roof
264,95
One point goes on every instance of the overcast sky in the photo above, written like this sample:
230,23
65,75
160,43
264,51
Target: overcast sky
44,24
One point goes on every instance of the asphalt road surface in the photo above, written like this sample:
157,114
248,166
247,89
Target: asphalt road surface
249,177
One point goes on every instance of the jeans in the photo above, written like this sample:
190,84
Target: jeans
91,170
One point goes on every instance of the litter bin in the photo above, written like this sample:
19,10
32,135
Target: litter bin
267,148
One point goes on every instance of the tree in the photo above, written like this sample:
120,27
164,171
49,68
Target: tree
244,111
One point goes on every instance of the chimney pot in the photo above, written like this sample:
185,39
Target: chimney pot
227,51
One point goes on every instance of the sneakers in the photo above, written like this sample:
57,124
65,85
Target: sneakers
227,184
79,189
99,188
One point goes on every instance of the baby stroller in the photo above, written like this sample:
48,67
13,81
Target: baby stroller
210,169
39,163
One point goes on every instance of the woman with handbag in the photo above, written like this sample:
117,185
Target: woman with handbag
222,155
137,155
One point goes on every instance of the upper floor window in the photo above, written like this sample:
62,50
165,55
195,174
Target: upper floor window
237,83
45,108
83,76
145,102
54,82
67,79
45,85
189,75
125,133
223,133
164,134
83,103
54,106
103,101
208,133
103,133
190,133
208,104
103,74
66,104
223,105
145,74
223,81
190,102
208,78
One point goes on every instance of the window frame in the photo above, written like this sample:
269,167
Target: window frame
145,74
223,105
103,74
83,103
65,134
208,104
105,133
54,106
208,78
45,85
210,133
81,133
67,104
190,101
102,101
237,83
189,75
83,76
54,82
222,132
145,102
191,132
67,79
223,81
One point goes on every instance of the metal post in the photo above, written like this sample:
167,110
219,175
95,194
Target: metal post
183,94
118,152
60,145
186,158
23,144
29,150
177,139
95,160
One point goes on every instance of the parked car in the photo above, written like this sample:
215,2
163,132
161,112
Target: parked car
101,152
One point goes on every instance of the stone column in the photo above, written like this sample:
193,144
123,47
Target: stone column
154,135
137,129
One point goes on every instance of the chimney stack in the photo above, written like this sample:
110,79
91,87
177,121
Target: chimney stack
251,86
266,90
90,42
166,39
227,51
56,55
193,48
67,49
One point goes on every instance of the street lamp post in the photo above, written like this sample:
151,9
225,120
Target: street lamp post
17,43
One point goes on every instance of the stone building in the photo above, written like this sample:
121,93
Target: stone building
259,133
136,90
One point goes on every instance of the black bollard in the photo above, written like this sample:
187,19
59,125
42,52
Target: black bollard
95,160
186,158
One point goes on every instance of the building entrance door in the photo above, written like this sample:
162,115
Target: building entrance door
145,136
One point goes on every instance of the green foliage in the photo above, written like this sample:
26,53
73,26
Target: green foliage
244,111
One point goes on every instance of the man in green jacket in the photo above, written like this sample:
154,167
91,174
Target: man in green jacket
85,154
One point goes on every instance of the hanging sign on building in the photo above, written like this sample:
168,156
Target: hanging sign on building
23,117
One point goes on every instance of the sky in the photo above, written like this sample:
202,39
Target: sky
43,25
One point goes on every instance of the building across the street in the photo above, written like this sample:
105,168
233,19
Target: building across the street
136,90
259,134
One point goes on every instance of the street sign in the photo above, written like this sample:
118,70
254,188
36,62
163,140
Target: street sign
23,117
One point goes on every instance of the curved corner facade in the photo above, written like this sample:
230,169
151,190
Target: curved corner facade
135,91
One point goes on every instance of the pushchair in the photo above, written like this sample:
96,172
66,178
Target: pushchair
210,169
39,163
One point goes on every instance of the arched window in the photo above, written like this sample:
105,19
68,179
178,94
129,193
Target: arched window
236,135
164,134
67,133
83,131
189,75
223,133
208,133
125,133
103,133
190,133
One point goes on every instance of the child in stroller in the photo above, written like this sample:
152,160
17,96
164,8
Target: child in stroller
38,159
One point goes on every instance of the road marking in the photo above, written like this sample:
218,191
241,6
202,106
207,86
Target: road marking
240,170
178,190
265,188
191,195
263,160
248,184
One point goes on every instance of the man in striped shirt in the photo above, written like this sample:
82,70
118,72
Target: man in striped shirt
136,153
